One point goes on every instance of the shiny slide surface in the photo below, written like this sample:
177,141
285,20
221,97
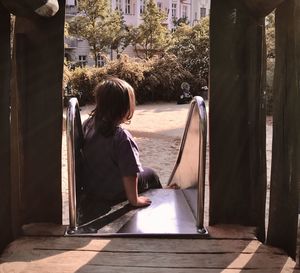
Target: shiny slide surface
172,212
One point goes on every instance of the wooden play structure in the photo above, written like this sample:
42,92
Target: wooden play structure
31,69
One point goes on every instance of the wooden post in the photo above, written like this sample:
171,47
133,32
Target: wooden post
261,8
37,118
237,116
5,59
285,174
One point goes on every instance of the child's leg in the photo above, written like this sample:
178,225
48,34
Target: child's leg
148,179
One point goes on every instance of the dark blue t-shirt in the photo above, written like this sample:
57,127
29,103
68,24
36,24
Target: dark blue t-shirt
107,160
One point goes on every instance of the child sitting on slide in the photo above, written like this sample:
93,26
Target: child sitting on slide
112,170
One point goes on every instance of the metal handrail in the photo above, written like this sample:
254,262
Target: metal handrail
202,164
200,104
73,119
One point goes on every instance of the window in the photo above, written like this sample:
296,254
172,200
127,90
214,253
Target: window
142,6
184,11
174,10
202,12
119,5
70,3
82,60
159,5
100,60
127,6
196,16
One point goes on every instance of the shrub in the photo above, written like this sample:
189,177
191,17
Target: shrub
153,80
191,46
81,85
163,80
96,77
128,69
84,80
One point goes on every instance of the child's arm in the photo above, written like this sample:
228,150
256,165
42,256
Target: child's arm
130,185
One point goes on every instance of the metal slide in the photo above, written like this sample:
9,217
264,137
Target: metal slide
177,212
189,170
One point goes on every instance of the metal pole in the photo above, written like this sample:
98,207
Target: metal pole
202,163
71,111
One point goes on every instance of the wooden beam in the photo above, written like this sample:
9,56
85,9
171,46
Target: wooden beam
5,67
38,69
77,254
237,116
24,7
285,174
261,8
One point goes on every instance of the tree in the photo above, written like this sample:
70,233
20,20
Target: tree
150,37
119,33
92,24
180,21
270,35
191,46
270,45
12,29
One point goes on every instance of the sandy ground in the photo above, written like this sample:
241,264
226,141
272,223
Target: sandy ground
157,129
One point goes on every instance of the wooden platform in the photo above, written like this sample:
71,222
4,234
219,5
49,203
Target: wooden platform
230,249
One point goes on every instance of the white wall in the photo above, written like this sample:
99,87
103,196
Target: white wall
134,19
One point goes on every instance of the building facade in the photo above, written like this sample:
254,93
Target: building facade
78,50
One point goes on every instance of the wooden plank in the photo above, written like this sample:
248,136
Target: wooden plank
223,231
43,229
285,173
5,67
154,260
138,245
261,8
75,254
237,183
226,231
34,268
38,69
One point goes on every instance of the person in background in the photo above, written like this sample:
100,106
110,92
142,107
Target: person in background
186,95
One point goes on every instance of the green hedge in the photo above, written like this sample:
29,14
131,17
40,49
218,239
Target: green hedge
162,81
152,80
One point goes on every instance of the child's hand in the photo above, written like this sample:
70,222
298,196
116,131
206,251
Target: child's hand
173,186
130,185
141,201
